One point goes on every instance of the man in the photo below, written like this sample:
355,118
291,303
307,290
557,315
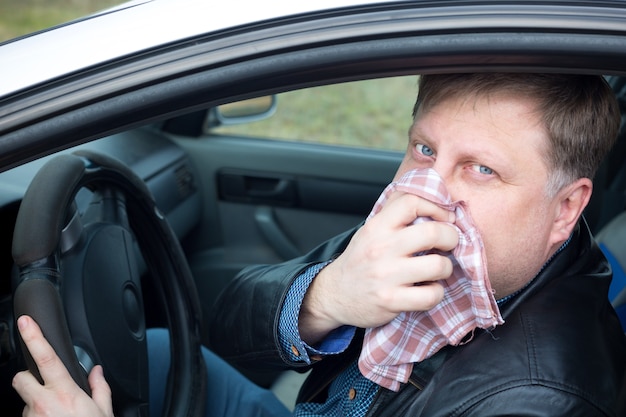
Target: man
519,150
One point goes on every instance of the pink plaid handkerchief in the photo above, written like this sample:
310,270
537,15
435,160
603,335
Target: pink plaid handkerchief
389,351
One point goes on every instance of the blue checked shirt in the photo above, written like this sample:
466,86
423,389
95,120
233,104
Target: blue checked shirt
350,394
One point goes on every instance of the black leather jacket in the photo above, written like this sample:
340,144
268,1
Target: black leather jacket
561,351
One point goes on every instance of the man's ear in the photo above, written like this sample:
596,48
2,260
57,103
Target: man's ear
571,201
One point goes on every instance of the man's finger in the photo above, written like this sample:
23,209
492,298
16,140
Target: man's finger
417,298
402,209
26,386
418,270
50,366
426,236
100,390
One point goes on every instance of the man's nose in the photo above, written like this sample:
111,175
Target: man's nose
447,173
443,168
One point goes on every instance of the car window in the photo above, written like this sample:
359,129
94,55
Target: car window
371,113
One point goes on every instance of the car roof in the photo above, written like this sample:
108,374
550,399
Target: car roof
139,25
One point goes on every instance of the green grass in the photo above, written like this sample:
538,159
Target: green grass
374,113
20,17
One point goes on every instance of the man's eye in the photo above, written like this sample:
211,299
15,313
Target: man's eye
482,169
424,150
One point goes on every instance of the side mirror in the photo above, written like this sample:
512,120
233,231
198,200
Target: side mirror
244,111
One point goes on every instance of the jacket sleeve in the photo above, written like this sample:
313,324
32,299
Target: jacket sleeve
244,325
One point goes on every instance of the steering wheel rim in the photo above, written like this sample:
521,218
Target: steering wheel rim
46,210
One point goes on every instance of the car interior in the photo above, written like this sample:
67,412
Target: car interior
236,199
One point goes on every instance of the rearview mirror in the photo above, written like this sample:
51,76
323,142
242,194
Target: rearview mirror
244,111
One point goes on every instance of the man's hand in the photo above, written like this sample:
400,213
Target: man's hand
59,396
377,277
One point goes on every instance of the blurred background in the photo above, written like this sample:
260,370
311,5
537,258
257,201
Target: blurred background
19,17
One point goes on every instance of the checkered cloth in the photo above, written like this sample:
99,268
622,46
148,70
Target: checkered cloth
389,351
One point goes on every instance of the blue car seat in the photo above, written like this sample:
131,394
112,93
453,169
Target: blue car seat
612,241
606,212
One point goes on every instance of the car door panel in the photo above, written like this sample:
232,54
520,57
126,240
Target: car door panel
274,200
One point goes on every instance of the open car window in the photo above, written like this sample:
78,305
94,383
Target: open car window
370,114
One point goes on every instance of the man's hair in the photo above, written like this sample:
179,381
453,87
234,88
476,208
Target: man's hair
579,112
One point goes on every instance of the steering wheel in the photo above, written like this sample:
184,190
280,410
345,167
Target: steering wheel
80,279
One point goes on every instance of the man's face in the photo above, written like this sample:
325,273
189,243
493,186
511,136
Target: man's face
490,154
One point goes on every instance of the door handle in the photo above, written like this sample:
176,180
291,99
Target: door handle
274,188
258,189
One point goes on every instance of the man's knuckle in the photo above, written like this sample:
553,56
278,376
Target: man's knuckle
372,252
39,407
46,360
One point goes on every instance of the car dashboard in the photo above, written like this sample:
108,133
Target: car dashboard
158,161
